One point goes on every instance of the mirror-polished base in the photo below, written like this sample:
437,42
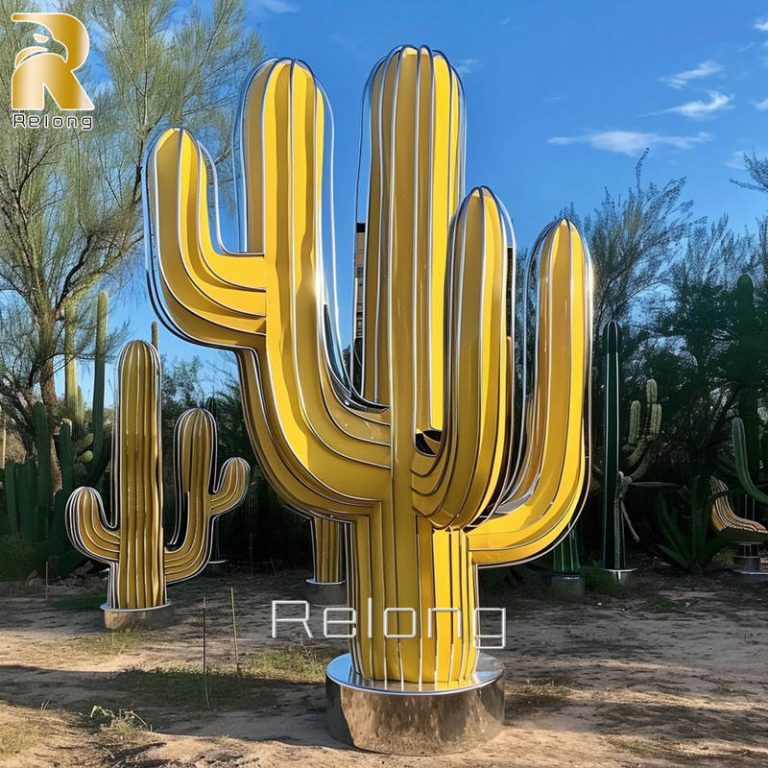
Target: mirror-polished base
567,584
385,717
749,563
746,575
132,618
326,592
623,576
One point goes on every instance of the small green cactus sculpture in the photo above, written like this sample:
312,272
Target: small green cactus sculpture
741,461
565,556
140,565
642,434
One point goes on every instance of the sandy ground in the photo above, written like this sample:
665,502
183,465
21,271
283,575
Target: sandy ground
671,674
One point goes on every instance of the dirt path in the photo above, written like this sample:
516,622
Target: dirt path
672,674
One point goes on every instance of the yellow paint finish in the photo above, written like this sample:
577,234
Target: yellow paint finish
422,461
198,505
326,548
723,516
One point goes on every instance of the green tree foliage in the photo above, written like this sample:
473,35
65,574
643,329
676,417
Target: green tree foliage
633,239
70,217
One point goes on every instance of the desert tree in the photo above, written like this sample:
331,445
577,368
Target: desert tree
70,200
633,240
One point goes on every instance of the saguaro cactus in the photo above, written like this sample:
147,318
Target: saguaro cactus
618,478
140,566
423,460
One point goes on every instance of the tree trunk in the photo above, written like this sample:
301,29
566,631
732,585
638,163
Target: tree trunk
51,401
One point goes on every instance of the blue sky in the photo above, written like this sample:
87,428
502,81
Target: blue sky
562,97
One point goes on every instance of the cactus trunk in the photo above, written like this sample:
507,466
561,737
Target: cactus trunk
384,557
566,555
137,473
612,529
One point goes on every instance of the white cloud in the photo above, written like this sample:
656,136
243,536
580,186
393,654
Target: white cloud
761,25
467,66
630,142
698,109
736,160
277,6
705,69
761,105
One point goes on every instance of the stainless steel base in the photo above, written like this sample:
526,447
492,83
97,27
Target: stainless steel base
326,592
747,575
216,567
567,584
623,576
137,618
749,563
386,717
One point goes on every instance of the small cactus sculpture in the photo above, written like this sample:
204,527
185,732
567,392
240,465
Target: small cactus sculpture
642,434
140,566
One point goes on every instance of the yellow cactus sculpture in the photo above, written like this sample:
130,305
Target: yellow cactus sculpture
140,566
426,461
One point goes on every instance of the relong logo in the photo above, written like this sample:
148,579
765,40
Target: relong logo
38,69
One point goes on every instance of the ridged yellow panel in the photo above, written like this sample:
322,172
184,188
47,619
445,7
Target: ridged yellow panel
327,539
140,566
723,516
425,461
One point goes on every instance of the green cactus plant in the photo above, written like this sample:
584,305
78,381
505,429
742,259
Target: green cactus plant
34,512
140,565
618,479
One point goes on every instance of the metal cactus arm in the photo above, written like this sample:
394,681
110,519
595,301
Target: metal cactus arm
539,500
423,451
723,516
199,498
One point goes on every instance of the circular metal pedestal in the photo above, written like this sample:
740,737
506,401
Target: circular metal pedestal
386,717
216,567
623,577
567,584
137,618
747,575
746,563
326,592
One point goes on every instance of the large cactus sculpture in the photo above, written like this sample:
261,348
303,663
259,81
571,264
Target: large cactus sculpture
140,565
427,461
618,478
